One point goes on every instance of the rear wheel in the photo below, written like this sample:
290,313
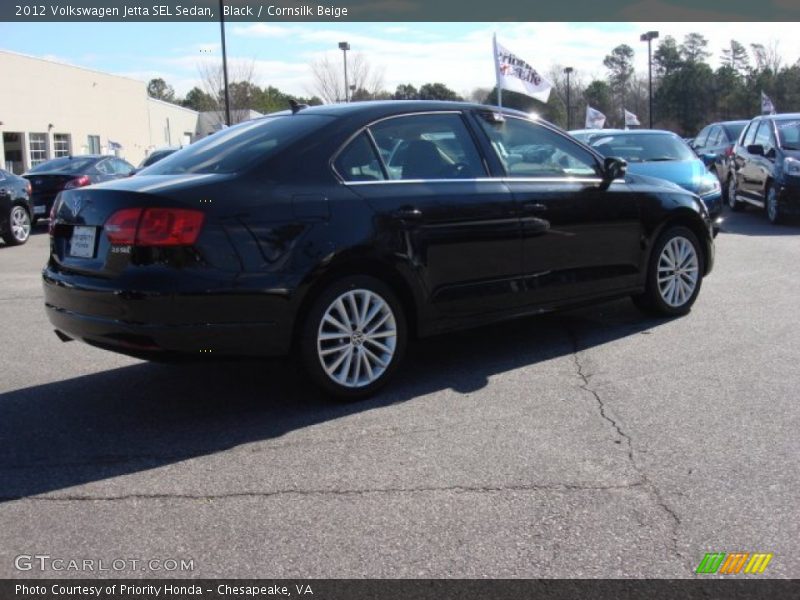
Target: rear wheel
674,275
354,337
733,203
19,226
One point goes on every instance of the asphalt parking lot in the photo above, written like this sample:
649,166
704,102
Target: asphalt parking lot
594,443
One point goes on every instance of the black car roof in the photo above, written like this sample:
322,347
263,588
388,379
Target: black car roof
393,107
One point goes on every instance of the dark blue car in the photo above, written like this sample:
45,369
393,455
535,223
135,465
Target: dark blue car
765,167
664,155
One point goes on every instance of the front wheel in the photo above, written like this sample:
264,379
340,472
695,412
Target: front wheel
19,226
773,208
354,337
674,275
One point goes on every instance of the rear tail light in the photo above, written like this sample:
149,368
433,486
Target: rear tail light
729,151
51,222
154,227
81,181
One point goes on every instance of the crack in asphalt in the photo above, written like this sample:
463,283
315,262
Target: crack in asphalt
631,450
562,487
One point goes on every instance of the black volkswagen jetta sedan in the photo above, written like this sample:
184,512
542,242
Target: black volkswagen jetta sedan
341,231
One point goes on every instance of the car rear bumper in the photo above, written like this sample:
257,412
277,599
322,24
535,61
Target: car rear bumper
158,325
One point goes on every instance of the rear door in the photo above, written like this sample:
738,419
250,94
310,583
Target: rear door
578,240
458,229
757,168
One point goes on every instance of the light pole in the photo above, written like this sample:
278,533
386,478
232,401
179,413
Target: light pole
224,64
344,47
649,37
568,70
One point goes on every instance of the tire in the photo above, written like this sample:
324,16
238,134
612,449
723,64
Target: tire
733,203
19,226
772,208
677,260
336,348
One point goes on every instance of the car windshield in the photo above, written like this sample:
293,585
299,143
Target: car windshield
239,147
789,133
643,147
64,165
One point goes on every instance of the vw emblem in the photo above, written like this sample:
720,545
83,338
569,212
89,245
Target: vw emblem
76,205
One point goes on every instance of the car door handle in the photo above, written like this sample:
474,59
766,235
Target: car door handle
407,213
534,207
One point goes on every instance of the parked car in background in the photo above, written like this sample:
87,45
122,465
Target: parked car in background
714,145
310,241
765,166
16,208
155,156
68,172
665,155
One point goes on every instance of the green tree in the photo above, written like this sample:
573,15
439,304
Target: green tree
198,100
620,70
667,57
406,92
694,48
598,95
735,56
159,89
437,91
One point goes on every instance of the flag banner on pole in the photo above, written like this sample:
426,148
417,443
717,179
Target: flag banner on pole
630,118
114,145
594,118
515,75
767,107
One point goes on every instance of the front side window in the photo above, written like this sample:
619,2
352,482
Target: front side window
528,149
750,135
38,148
764,136
434,146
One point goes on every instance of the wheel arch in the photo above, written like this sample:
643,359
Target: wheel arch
346,265
692,221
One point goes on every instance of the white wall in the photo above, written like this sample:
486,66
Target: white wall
41,96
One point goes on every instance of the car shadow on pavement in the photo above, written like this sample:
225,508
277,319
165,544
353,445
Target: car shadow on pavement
754,222
148,415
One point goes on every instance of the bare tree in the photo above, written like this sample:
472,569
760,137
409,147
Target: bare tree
240,84
767,57
365,80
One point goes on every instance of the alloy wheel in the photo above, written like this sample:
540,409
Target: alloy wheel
20,224
357,338
678,271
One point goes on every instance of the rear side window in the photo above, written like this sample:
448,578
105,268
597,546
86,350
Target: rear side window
434,146
702,137
358,161
715,137
239,147
64,165
764,136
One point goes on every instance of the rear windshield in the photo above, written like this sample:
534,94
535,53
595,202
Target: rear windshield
239,147
644,147
734,129
64,165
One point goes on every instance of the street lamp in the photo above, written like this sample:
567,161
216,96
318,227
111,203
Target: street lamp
568,70
649,37
344,47
224,64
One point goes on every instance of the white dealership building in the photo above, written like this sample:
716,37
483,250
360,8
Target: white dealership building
50,109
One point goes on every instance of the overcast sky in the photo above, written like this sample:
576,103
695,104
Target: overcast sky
457,54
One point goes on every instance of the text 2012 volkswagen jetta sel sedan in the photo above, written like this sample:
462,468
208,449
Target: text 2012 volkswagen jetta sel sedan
340,231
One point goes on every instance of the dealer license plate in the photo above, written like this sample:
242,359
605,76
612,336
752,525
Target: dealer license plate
81,244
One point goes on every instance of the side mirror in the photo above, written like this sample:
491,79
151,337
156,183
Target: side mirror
613,168
756,149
